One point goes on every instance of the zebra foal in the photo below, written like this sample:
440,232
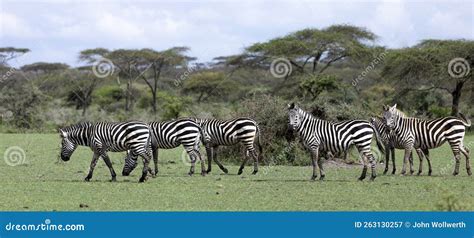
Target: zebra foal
102,137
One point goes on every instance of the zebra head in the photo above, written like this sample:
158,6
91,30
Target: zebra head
130,164
67,145
390,115
294,116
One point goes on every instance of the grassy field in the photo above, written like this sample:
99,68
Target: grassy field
43,183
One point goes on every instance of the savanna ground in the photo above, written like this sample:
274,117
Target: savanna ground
43,183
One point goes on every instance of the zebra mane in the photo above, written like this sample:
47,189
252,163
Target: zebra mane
398,113
80,125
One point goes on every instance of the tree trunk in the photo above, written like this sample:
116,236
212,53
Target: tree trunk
154,101
84,108
456,94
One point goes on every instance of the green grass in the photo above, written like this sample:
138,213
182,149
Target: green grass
43,183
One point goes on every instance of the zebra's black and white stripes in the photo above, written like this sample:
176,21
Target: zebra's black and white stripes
317,134
429,134
230,132
102,137
392,142
168,135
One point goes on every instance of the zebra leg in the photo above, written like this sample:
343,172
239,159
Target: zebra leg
214,156
109,164
314,162
392,151
364,169
457,158
203,163
155,161
255,161
321,169
426,152
465,152
209,153
373,165
420,156
387,158
95,157
193,163
410,159
241,169
146,161
405,160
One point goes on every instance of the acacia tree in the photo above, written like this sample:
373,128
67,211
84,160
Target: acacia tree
84,83
151,64
426,67
309,49
9,53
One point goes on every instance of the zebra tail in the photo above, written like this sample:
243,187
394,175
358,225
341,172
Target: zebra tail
380,144
259,145
465,120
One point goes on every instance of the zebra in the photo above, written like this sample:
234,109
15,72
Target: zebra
230,132
392,142
102,137
332,137
168,135
429,134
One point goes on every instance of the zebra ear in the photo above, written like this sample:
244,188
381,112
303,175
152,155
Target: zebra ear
291,106
394,107
62,133
385,107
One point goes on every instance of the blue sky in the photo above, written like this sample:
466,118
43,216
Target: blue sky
57,30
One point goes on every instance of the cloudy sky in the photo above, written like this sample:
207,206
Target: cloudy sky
57,30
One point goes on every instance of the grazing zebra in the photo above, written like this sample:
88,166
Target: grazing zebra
318,134
392,142
168,135
429,134
230,132
102,137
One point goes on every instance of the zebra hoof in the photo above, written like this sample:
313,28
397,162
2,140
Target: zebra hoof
87,179
255,172
142,179
393,172
322,177
412,172
190,173
225,170
455,173
385,172
240,172
429,173
313,177
469,172
372,178
203,173
419,173
113,179
208,171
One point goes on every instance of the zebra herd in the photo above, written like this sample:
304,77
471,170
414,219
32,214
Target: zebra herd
392,130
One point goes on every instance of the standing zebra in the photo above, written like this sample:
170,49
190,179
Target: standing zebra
230,132
168,135
318,134
392,142
108,136
429,134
